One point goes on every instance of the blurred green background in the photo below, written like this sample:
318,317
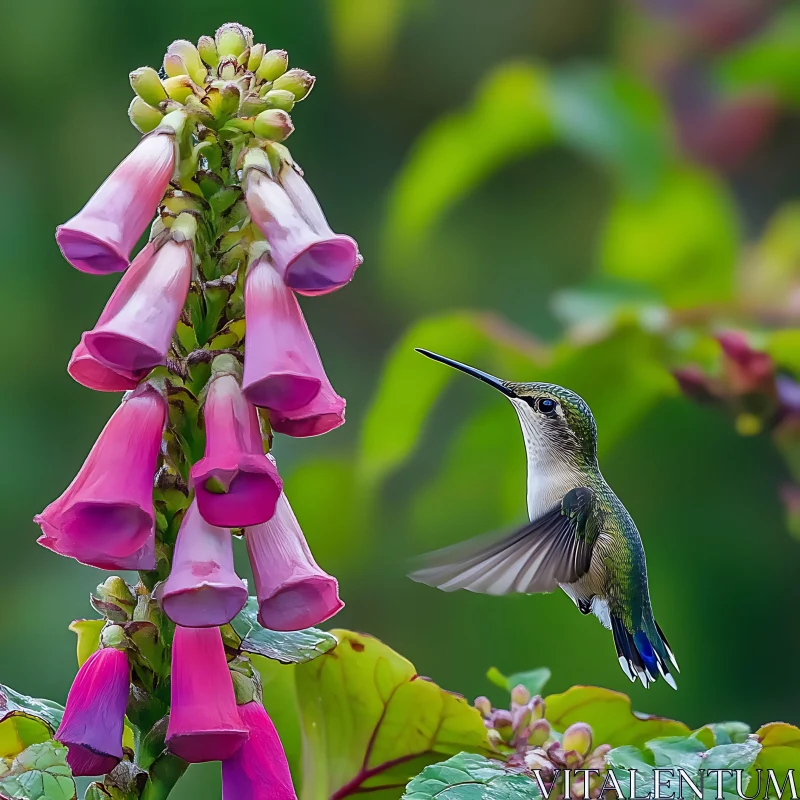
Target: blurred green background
649,141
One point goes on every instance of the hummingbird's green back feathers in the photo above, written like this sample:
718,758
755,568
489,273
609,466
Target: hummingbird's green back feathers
580,538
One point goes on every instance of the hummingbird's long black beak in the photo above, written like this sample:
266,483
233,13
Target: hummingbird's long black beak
476,373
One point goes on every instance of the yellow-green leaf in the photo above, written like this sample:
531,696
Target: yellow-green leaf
611,716
25,721
88,633
369,720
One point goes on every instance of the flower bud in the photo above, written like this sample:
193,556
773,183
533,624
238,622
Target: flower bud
174,65
520,695
273,65
257,52
114,599
522,716
180,88
540,732
252,105
114,636
190,56
279,98
494,737
143,117
578,737
536,759
537,704
146,83
555,752
273,124
207,48
503,723
483,705
572,759
297,81
232,39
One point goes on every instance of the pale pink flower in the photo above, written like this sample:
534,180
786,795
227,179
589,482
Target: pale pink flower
106,514
235,483
282,368
94,716
259,769
308,255
202,590
293,592
204,724
324,413
100,237
135,329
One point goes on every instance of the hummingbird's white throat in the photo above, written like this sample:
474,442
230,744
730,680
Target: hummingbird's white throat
551,472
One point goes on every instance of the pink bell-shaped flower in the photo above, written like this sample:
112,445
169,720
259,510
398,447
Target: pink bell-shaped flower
93,374
324,413
308,255
204,724
282,368
106,514
259,769
135,329
100,237
235,483
94,716
202,590
293,592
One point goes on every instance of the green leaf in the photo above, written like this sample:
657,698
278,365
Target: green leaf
622,760
770,59
25,721
88,633
288,647
784,347
38,773
614,118
682,241
411,385
370,721
509,117
780,749
533,680
611,716
729,732
467,776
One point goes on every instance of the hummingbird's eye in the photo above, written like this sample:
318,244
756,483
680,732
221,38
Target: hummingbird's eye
545,405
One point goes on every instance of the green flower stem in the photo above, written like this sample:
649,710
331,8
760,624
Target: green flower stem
164,774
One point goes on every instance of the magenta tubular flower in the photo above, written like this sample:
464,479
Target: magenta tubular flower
94,716
308,255
293,592
100,237
93,374
204,724
235,483
106,514
202,590
259,769
324,413
135,329
282,368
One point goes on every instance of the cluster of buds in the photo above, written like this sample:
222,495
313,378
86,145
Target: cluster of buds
760,397
529,743
184,463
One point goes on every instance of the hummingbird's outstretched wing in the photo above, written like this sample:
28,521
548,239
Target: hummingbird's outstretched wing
554,549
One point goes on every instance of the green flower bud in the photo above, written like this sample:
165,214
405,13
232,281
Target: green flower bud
228,68
538,707
483,705
114,599
174,65
146,83
520,695
502,722
143,117
273,65
540,732
273,124
207,48
180,87
190,56
494,737
232,39
578,737
114,636
297,81
279,98
257,52
252,105
226,364
573,759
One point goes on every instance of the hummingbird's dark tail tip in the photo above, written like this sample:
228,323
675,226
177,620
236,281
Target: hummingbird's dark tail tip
643,655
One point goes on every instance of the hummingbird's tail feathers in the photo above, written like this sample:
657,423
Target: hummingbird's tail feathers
667,648
639,656
536,558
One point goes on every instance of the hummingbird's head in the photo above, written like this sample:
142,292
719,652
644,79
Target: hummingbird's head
553,419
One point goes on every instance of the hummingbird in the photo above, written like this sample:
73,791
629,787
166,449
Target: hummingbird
580,537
